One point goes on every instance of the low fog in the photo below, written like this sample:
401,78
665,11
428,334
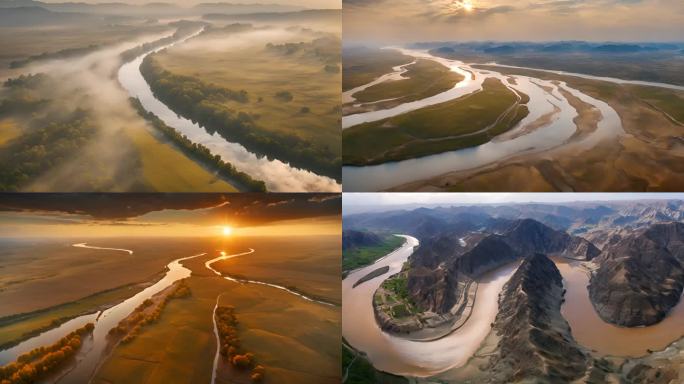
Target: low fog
89,83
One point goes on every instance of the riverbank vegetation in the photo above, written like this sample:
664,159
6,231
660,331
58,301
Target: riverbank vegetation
465,122
356,369
148,312
357,257
200,153
35,365
277,99
231,348
421,80
50,139
19,327
646,159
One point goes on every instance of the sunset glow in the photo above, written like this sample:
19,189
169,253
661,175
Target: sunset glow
227,231
467,5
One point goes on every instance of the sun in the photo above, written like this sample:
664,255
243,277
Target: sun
227,231
467,5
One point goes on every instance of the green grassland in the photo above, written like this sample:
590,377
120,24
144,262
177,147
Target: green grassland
440,128
361,65
288,91
423,79
361,256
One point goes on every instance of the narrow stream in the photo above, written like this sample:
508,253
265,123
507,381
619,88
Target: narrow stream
278,176
85,245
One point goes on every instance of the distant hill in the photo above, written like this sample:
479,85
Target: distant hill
37,16
353,239
151,9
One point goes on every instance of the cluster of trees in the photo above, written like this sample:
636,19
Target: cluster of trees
200,153
231,349
43,147
326,49
129,328
285,96
204,105
48,141
36,364
23,94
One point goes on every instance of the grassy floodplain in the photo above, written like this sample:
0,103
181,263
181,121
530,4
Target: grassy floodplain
284,104
294,339
464,122
423,79
647,159
32,270
361,256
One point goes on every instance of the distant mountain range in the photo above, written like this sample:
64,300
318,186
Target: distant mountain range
637,247
155,9
512,48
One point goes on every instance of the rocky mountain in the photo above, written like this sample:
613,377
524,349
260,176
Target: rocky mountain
354,239
442,261
573,218
641,277
530,236
535,343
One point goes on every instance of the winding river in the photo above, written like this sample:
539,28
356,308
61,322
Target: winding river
413,358
592,332
427,358
278,176
550,113
94,348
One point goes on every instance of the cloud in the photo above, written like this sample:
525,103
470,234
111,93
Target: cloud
245,209
377,22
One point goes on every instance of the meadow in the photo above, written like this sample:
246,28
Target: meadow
467,121
423,79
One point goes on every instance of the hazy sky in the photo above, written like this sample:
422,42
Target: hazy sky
303,3
176,215
401,21
354,201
